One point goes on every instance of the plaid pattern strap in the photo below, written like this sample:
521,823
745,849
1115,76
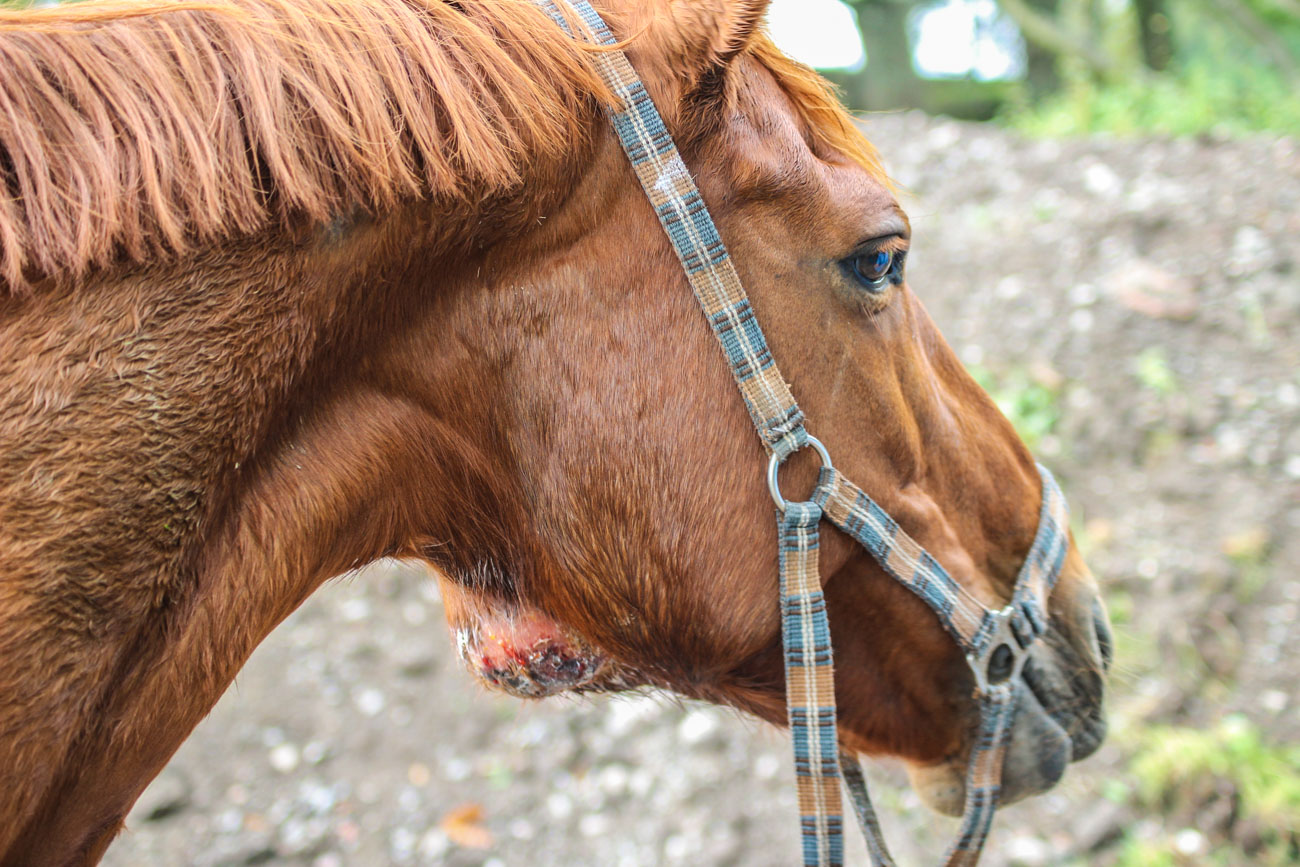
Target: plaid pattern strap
682,213
856,782
810,687
984,774
1043,563
848,508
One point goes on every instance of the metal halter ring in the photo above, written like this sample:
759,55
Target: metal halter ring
774,467
1004,653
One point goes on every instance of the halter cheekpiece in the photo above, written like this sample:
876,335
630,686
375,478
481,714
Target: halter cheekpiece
995,642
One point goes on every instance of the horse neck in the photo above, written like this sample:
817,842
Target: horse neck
173,482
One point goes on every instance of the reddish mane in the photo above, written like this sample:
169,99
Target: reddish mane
235,116
241,116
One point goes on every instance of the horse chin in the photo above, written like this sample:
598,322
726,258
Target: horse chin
1036,759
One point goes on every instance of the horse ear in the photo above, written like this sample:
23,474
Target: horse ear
697,39
720,29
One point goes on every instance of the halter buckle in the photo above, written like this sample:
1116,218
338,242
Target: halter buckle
1003,655
774,468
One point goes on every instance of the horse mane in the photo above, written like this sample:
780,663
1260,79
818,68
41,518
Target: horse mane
136,128
133,129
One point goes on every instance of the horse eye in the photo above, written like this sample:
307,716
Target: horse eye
875,269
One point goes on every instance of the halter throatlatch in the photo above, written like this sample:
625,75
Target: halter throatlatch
995,642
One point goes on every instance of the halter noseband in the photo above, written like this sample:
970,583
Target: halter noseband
995,642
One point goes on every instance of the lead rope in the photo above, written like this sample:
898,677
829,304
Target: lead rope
809,670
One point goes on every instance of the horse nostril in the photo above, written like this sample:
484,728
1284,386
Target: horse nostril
1000,664
1105,643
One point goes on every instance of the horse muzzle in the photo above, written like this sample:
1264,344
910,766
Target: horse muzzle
1059,716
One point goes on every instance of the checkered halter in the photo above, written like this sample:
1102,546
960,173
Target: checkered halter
995,642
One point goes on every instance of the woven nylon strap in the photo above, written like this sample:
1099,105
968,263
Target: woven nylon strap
809,669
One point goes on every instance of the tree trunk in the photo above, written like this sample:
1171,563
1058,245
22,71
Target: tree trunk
1155,33
889,80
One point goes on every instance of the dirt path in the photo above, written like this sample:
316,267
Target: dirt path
1135,304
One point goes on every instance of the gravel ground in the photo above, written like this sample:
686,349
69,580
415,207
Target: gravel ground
1136,304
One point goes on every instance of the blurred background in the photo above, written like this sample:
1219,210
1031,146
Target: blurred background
1105,196
1060,67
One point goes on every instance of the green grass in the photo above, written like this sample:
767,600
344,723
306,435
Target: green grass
1202,98
1221,81
1177,771
1033,407
1152,370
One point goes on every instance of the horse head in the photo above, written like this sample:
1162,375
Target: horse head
638,548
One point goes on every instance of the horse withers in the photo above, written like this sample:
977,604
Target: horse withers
291,285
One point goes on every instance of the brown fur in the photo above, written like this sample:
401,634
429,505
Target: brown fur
495,366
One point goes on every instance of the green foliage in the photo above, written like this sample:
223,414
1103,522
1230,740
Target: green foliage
1032,406
1222,80
1198,98
1153,372
1178,770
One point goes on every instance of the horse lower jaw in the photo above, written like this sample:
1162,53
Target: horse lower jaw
1036,759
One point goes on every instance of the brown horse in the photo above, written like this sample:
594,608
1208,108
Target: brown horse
290,285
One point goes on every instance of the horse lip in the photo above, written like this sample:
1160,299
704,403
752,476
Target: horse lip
1086,731
1036,759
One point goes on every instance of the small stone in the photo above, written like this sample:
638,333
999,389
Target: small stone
402,843
767,766
284,758
1081,320
370,702
1101,180
1150,290
418,775
594,825
318,797
457,770
434,844
314,752
228,821
1273,700
1251,252
559,805
354,610
613,779
167,795
1028,851
1189,841
698,725
677,847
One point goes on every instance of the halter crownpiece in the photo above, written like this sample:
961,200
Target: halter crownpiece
995,642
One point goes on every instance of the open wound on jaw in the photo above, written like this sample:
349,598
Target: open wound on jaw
527,654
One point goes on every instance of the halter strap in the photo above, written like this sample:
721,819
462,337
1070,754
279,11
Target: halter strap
809,669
